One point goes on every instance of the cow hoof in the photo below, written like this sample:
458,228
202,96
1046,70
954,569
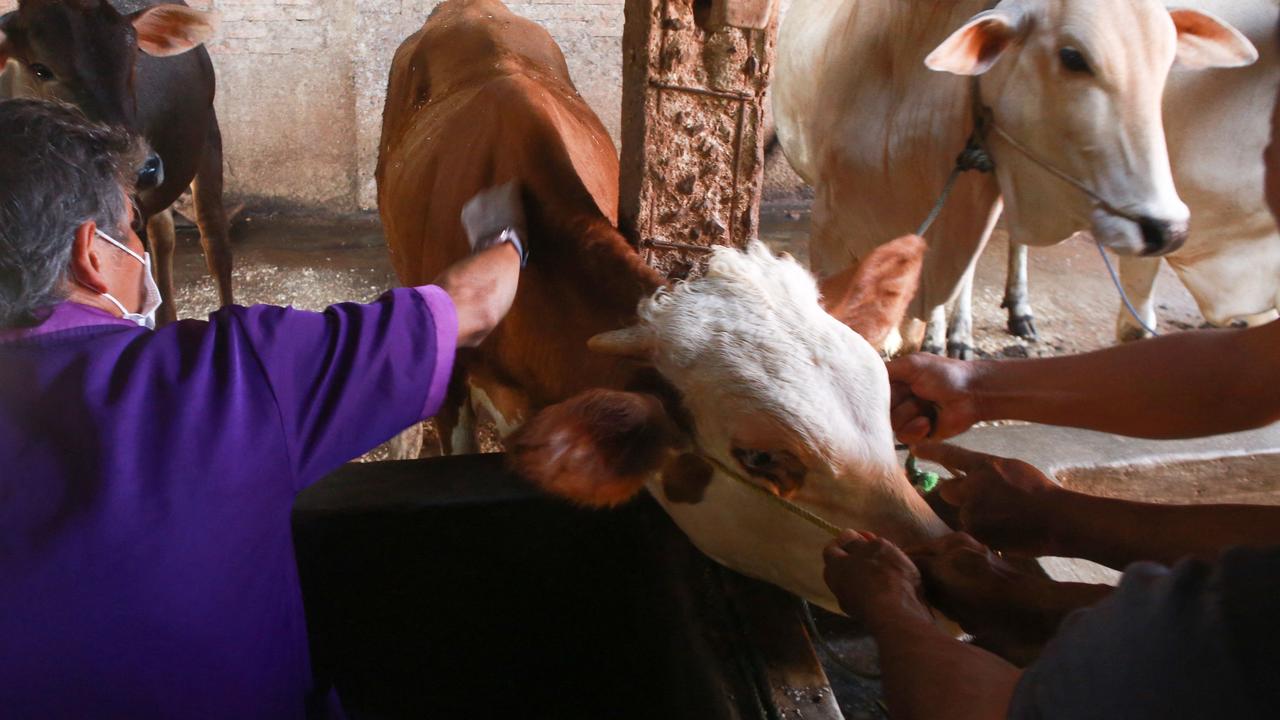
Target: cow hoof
960,351
1130,334
1023,326
932,349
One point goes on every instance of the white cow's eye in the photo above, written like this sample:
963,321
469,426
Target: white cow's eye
779,468
1073,60
757,460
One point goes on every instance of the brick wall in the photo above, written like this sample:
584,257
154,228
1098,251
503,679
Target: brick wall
301,85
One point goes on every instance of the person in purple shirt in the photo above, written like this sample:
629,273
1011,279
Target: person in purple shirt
146,477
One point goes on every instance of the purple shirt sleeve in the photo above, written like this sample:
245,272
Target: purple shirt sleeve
352,377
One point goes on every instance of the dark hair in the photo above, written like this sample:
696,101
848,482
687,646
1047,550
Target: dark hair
57,171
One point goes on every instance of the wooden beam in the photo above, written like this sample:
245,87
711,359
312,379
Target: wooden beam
695,74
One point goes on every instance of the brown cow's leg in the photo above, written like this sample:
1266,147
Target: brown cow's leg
211,216
454,423
500,409
161,236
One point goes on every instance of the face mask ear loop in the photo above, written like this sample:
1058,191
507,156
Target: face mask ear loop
119,245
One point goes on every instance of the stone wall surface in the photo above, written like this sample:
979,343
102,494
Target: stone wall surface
301,86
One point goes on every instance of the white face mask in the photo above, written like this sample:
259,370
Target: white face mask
146,316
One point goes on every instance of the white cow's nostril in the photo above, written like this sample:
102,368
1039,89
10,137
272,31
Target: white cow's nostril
1161,237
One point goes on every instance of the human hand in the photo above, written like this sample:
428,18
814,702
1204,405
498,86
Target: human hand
483,288
1004,503
993,600
933,397
870,576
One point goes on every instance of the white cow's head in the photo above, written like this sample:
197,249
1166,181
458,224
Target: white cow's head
761,379
1080,84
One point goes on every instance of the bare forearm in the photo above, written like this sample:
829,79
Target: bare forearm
1185,385
1116,533
929,675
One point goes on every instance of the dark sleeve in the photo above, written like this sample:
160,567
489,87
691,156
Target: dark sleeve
352,377
1166,644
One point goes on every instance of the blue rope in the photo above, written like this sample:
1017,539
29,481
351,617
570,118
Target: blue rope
1124,297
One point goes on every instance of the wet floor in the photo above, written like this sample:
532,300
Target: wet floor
311,264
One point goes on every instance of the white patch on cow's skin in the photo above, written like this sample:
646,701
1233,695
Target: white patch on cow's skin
486,408
751,338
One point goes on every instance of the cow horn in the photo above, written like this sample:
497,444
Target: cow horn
635,342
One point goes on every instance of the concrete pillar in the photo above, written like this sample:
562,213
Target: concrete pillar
695,74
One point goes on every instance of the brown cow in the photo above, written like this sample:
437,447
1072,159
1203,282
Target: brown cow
757,386
477,98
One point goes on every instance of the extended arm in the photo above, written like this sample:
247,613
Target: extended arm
1185,385
1012,506
1116,533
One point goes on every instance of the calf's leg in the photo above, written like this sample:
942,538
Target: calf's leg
161,236
211,215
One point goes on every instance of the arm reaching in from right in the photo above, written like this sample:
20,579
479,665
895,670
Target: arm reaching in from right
1191,384
1009,610
1012,506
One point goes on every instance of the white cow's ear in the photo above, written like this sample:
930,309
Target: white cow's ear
597,449
974,48
872,298
1205,41
166,30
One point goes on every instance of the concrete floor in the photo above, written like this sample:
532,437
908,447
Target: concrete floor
313,263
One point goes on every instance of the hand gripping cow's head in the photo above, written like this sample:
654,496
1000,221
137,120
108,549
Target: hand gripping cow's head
761,379
1079,84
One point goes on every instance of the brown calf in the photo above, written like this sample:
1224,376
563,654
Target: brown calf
85,52
479,97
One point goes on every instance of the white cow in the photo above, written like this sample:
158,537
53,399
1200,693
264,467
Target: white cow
871,112
770,392
1218,124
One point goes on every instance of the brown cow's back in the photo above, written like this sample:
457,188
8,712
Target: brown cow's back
479,97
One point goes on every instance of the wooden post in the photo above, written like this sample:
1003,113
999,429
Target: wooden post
695,74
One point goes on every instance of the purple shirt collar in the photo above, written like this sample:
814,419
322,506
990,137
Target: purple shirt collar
65,316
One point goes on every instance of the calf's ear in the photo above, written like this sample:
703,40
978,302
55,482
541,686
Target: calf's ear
165,30
872,297
1206,42
976,46
597,449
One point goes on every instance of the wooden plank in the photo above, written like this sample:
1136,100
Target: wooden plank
788,673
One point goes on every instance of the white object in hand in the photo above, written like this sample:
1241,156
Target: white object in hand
495,216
